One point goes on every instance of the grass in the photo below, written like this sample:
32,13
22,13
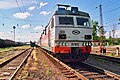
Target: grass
6,49
49,72
11,48
3,53
111,54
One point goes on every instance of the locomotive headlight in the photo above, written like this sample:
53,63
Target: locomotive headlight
66,44
87,43
57,44
83,43
90,44
63,44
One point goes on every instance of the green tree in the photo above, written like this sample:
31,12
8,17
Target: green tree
110,40
94,30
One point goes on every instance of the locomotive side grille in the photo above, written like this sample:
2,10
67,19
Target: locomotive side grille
62,36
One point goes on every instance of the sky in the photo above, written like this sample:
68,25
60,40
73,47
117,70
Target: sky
31,16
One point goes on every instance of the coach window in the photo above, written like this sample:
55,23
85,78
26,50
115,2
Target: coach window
43,32
83,22
66,20
52,23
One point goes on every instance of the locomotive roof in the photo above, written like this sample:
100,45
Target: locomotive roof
73,11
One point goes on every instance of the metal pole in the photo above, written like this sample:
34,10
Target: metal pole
14,32
101,18
101,25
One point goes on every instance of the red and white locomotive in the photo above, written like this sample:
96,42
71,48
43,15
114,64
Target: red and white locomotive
68,34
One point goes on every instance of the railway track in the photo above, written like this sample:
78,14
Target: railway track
92,72
82,71
113,59
10,67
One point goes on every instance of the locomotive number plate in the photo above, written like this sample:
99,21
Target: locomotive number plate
74,44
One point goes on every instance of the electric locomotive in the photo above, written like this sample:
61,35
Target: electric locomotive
68,34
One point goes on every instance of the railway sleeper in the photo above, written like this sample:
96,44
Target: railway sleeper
65,71
97,76
68,73
71,76
4,78
107,78
88,74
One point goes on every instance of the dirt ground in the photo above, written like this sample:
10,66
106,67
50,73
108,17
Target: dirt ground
39,67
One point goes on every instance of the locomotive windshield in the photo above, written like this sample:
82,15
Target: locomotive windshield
66,20
83,22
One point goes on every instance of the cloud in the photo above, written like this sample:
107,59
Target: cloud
34,2
43,4
38,28
45,13
1,33
107,35
6,5
22,15
6,35
117,34
31,8
25,26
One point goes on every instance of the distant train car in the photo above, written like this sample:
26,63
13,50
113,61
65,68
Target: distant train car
68,34
32,44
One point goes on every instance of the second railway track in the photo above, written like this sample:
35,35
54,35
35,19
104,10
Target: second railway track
9,68
83,71
112,59
92,72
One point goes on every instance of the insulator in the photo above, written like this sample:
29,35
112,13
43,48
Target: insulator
3,24
17,24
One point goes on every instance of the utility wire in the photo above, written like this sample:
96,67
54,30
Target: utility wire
109,11
64,1
23,5
18,6
104,5
91,4
108,4
20,10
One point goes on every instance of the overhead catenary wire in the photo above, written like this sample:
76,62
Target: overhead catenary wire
105,5
18,6
89,5
108,12
23,6
108,4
